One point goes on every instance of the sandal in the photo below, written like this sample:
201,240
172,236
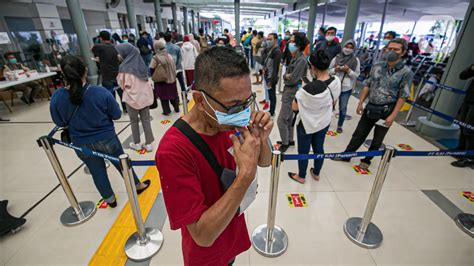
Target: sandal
315,177
147,185
296,178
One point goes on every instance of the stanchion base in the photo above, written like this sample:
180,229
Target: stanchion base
69,217
348,117
465,222
369,141
371,239
276,247
137,251
409,124
88,172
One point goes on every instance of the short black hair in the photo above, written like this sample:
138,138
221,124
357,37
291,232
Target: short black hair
250,29
401,41
254,32
244,32
7,54
322,29
218,63
104,35
226,30
301,41
201,30
331,28
391,33
261,33
320,60
167,37
274,35
287,31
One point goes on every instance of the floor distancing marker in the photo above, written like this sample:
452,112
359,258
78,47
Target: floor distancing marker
110,251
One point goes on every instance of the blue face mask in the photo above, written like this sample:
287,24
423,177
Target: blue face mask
239,119
292,48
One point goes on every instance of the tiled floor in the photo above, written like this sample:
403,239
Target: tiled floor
416,231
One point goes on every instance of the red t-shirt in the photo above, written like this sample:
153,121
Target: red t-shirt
191,186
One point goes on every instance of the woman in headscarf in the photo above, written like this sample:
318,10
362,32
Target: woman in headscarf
189,54
346,66
192,40
164,75
137,93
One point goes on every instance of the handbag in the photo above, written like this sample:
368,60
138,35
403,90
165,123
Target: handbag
159,74
65,134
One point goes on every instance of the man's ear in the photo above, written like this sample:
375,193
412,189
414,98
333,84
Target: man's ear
199,100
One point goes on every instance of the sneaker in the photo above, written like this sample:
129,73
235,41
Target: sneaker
463,162
364,166
339,130
262,101
148,147
135,146
266,106
292,143
283,148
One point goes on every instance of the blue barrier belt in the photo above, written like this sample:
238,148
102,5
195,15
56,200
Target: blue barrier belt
444,116
345,155
143,163
446,87
435,153
86,151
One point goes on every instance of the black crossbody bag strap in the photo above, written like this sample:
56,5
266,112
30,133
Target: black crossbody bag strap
200,144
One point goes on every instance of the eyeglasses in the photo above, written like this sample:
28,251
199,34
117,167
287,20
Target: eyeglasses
235,108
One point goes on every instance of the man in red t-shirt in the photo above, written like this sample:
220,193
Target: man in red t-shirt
213,232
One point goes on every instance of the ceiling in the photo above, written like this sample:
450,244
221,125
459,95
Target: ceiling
370,10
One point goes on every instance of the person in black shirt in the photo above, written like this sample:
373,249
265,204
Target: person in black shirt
466,114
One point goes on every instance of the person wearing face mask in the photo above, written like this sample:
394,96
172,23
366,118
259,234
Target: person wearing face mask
30,89
292,78
386,88
330,46
346,66
315,105
108,61
271,67
208,160
388,36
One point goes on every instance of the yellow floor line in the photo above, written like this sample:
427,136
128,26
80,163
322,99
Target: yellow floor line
110,251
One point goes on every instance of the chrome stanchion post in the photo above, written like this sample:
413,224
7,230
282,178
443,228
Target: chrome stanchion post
79,212
362,231
184,95
269,239
465,222
146,242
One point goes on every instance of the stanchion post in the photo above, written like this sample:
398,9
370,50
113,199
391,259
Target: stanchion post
184,95
78,212
415,97
269,239
362,231
146,242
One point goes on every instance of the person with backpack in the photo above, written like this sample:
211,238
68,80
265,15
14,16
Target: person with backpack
164,77
315,104
88,111
137,94
144,44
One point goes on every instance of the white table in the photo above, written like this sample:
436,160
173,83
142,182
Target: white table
4,85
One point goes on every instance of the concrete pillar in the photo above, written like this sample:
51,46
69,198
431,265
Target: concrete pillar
198,21
175,17
237,21
299,19
324,14
85,41
313,6
112,20
352,13
186,24
362,34
379,38
193,22
46,20
445,101
132,18
159,20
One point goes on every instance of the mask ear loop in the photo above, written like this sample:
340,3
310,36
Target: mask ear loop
205,98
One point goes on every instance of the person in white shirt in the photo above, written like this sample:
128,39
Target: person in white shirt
189,54
315,104
346,66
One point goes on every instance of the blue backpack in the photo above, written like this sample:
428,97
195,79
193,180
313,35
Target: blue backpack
247,40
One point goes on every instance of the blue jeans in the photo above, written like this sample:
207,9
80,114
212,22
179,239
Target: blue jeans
97,167
305,141
343,101
147,59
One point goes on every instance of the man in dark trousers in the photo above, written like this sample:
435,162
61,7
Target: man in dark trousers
466,114
271,67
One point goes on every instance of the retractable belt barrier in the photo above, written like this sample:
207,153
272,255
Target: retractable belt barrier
445,87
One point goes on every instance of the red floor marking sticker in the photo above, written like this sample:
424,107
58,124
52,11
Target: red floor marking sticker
166,121
142,151
331,133
296,200
102,204
405,147
361,171
276,146
468,195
